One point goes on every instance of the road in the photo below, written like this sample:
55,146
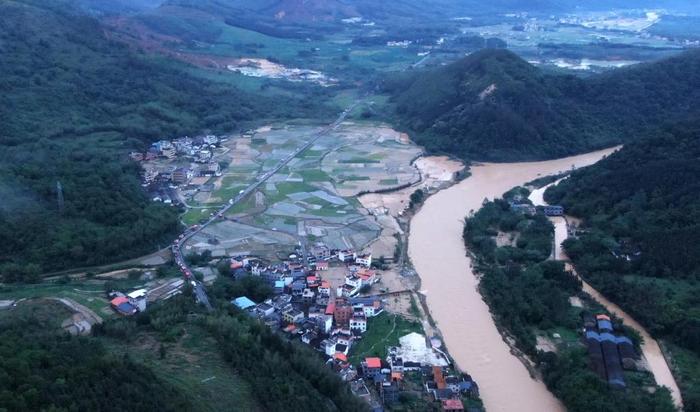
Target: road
197,286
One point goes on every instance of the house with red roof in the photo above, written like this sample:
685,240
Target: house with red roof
122,305
371,367
452,405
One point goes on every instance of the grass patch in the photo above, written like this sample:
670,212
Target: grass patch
389,182
354,178
193,216
686,369
89,294
382,331
355,160
242,207
314,175
287,188
309,153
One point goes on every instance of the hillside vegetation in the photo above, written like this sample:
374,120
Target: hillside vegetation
492,105
43,368
528,295
72,104
641,208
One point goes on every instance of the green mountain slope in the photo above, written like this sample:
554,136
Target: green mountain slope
72,104
641,245
492,105
43,368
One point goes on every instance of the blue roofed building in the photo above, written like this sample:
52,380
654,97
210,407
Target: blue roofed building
243,303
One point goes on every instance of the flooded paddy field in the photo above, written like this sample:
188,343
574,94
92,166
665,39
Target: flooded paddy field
313,198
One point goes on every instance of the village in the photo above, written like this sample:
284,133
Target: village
328,291
334,320
186,163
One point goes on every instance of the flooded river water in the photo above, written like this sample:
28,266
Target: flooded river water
439,256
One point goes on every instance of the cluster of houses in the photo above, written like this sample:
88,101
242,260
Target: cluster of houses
414,354
306,305
128,304
198,150
331,320
608,353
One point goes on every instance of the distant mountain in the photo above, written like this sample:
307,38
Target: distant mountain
72,104
492,105
315,11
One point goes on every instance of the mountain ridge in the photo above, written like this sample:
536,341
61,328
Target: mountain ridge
492,105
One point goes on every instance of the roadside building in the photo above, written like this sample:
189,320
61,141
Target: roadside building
320,251
138,299
182,175
347,255
168,152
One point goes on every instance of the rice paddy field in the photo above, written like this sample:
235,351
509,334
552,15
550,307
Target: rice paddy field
313,198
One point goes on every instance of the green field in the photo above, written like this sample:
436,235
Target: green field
193,216
382,331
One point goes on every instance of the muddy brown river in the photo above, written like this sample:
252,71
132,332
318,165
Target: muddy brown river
439,256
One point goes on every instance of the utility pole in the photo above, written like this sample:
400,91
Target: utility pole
59,195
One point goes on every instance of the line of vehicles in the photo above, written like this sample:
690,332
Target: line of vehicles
197,287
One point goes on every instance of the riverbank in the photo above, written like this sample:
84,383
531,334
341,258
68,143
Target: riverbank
438,254
658,364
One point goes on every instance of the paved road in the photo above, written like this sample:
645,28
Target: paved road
198,288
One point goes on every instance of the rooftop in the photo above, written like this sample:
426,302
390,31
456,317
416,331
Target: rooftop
373,362
243,302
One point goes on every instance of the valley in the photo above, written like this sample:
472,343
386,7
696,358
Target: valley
267,205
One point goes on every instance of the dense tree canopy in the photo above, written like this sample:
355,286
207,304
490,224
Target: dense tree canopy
640,246
529,295
72,104
43,368
492,105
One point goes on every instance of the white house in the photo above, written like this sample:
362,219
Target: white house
364,260
358,323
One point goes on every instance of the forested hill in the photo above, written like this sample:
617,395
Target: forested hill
641,244
492,105
72,103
